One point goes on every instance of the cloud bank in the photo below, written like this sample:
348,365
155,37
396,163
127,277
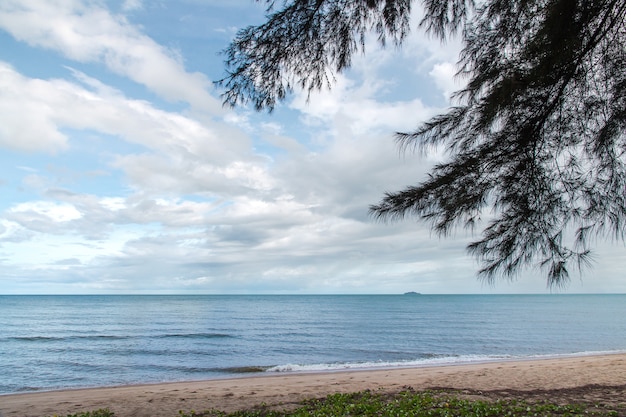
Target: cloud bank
143,183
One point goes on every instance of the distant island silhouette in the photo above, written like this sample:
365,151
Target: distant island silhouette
412,293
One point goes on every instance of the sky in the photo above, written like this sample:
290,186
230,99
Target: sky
123,173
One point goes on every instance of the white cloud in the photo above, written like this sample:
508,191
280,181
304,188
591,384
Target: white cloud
353,114
362,100
35,112
27,118
251,204
87,32
45,210
444,76
129,5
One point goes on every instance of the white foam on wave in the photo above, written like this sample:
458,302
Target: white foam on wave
437,361
444,360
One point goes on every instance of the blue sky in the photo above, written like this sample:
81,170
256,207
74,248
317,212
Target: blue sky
123,173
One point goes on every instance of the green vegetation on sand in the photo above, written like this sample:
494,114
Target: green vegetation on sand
406,403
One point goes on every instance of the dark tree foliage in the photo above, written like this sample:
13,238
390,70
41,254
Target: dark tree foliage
302,44
538,134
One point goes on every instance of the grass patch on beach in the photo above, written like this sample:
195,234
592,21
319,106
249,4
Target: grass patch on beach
414,404
404,404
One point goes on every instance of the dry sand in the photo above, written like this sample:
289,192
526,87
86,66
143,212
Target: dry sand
573,379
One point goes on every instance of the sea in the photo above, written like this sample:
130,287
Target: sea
58,342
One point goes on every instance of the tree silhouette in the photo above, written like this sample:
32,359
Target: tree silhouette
538,134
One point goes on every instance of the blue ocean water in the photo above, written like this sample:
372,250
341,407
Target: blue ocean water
50,342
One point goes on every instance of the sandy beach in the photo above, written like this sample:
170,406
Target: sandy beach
599,378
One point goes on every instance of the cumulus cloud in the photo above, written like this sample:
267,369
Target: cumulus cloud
358,113
444,75
88,32
27,119
208,211
43,212
38,110
175,201
132,5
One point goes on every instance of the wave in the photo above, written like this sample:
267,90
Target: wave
118,337
428,360
194,336
32,338
63,338
246,369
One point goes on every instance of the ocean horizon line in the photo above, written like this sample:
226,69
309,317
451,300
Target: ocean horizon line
411,293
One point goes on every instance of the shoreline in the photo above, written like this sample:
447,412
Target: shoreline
246,391
348,367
